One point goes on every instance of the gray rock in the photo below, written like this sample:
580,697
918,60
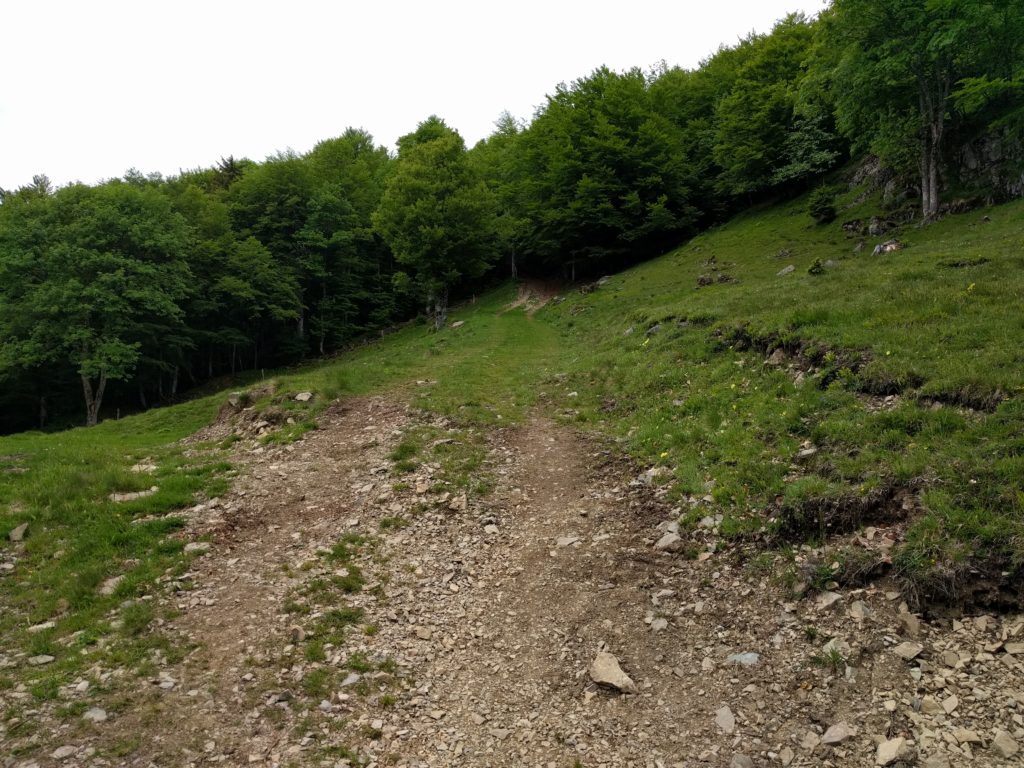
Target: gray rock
838,733
891,750
95,715
41,660
605,670
888,246
63,753
351,679
18,534
304,397
725,719
670,542
458,323
828,599
908,651
786,756
859,610
1004,745
108,587
748,659
197,547
133,495
786,270
741,761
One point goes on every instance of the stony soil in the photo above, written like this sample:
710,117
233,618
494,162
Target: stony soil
482,613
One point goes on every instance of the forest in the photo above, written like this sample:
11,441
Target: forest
126,294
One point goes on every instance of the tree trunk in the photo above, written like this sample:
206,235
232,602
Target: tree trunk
323,316
174,381
440,308
93,399
42,411
933,92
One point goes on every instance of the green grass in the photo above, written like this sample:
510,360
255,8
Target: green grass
77,538
938,322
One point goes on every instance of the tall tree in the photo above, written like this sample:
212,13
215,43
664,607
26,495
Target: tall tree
902,61
603,174
89,279
354,266
437,215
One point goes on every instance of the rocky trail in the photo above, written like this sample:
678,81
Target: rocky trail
343,613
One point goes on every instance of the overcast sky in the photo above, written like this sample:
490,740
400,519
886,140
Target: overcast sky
92,88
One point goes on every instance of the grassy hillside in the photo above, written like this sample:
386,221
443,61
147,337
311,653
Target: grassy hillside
854,390
898,375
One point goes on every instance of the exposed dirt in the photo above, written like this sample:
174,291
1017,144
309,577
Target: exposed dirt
533,295
481,617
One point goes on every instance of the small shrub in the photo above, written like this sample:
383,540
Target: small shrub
822,205
832,660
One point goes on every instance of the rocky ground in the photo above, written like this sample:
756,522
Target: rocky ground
344,613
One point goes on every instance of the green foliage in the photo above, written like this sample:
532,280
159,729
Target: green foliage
900,64
822,205
90,280
437,215
600,174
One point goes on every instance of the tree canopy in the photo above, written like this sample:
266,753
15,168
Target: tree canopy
129,291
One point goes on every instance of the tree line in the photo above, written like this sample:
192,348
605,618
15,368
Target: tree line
125,293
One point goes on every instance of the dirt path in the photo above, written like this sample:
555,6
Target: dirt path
452,631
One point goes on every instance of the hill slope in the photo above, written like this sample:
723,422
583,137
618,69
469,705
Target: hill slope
459,519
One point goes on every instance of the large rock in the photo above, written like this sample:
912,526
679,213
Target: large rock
891,750
670,542
605,670
908,651
838,733
18,534
725,719
95,715
1004,745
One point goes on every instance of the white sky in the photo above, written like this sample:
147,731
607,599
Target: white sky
91,88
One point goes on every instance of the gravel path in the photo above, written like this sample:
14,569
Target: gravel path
454,630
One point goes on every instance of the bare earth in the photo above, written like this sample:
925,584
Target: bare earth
483,619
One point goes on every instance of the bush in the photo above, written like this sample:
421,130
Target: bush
822,205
